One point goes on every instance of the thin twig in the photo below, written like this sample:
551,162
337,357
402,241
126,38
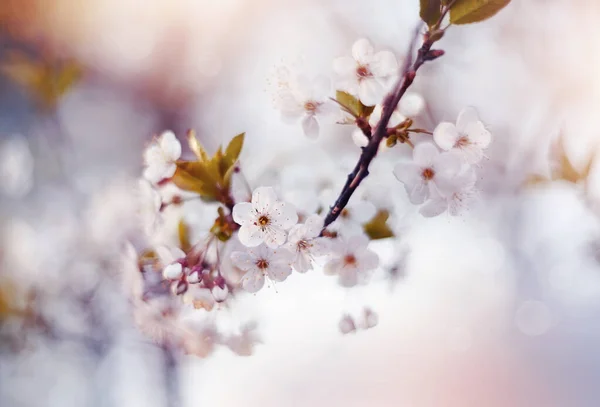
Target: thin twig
361,170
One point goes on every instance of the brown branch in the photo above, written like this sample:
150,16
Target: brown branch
361,170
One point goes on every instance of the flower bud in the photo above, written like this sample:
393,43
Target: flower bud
173,271
219,293
179,287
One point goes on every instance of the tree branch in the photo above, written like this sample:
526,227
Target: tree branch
409,70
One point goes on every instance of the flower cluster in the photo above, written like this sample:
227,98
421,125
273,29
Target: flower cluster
210,235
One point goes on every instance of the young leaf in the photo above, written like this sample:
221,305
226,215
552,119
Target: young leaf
196,147
430,11
473,11
233,150
194,176
377,228
350,102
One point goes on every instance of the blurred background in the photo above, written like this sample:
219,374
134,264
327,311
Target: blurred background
499,307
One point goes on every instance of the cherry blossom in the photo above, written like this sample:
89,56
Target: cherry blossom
469,136
304,242
369,319
261,262
428,172
160,157
366,74
455,200
306,100
351,260
265,219
353,217
347,325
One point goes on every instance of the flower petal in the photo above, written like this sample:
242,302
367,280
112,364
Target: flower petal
467,116
279,271
448,164
345,67
478,134
274,237
348,277
368,260
302,263
384,64
357,243
263,199
412,104
321,88
251,235
313,224
243,260
359,139
320,246
408,173
445,135
376,115
284,215
434,207
417,193
310,126
243,213
362,51
253,281
424,154
170,145
370,91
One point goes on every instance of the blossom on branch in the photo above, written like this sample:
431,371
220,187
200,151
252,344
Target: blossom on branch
429,172
160,157
265,219
261,262
456,199
468,136
306,100
305,243
366,74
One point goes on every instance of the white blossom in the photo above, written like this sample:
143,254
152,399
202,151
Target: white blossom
469,136
160,157
370,319
347,325
455,200
261,262
352,218
366,74
351,260
170,259
429,172
265,219
305,243
306,100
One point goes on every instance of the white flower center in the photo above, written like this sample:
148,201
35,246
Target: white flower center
349,260
263,221
302,245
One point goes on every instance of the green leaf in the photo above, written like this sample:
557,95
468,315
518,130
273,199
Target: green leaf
377,228
473,11
233,150
194,176
349,102
430,11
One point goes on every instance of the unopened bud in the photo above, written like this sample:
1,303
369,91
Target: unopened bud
179,287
